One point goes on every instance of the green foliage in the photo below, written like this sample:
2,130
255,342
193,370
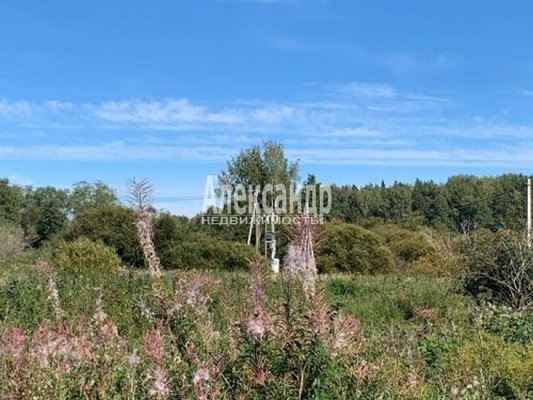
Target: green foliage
350,248
421,340
382,301
20,302
436,348
407,246
463,202
85,195
85,256
511,325
114,226
499,266
506,369
44,214
259,166
11,242
11,200
180,244
431,201
169,232
204,252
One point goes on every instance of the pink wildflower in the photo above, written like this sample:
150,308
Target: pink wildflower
17,344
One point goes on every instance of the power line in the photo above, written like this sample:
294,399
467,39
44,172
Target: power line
169,198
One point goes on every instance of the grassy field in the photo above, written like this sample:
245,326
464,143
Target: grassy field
200,335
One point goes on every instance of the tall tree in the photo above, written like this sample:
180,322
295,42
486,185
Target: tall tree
85,195
45,213
259,166
11,199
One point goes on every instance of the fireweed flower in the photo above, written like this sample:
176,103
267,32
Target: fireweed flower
140,196
53,295
300,259
159,387
99,316
256,328
133,359
145,311
201,376
153,344
17,344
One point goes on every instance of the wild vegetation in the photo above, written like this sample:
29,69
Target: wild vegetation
423,292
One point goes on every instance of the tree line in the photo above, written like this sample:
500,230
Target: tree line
462,202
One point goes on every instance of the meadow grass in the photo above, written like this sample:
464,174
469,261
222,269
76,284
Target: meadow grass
206,335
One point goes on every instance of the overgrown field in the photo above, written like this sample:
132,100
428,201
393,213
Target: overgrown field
253,335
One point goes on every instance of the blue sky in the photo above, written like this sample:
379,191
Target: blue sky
359,92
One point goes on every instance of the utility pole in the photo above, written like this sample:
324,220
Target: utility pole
252,222
529,212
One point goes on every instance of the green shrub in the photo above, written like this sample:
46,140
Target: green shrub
170,232
11,242
407,246
114,226
499,266
501,371
349,248
432,265
204,252
84,255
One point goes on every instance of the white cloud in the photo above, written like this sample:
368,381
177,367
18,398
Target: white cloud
12,109
525,92
355,124
328,153
116,151
414,158
174,111
351,133
273,114
362,89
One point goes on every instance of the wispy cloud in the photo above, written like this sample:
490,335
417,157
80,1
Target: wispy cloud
116,152
160,112
355,123
406,63
362,89
525,92
15,109
369,156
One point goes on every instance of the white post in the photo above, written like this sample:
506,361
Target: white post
252,222
529,211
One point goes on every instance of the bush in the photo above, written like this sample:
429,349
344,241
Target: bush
170,232
204,252
11,242
506,369
499,266
112,225
434,265
84,255
349,248
407,246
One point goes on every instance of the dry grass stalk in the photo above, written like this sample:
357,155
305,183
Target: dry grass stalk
53,296
140,196
300,259
256,326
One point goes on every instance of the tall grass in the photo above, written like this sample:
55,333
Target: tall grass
253,336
